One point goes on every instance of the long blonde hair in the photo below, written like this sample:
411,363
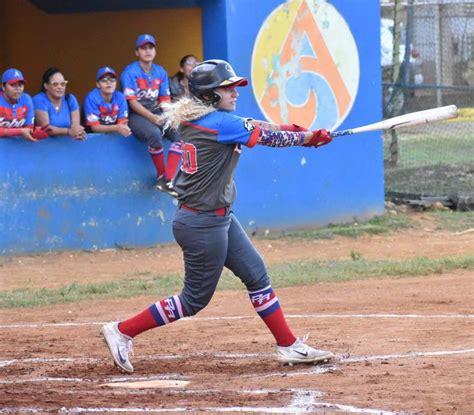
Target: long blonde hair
185,109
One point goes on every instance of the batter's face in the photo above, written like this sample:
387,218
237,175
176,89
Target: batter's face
229,97
13,91
107,84
56,87
146,53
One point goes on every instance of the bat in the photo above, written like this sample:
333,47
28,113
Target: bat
407,120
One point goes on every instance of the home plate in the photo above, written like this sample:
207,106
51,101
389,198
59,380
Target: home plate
155,383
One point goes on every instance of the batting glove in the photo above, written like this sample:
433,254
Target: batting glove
319,138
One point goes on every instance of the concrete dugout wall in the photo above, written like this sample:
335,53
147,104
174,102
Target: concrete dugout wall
59,194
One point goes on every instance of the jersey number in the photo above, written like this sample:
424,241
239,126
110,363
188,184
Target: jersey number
189,159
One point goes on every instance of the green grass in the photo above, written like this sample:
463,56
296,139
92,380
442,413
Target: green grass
446,145
313,272
283,275
453,221
124,288
376,225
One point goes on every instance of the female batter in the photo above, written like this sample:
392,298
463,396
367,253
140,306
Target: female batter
209,234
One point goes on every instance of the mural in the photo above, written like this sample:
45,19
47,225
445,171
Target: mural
305,65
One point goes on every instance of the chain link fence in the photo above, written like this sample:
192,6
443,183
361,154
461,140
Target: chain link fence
427,62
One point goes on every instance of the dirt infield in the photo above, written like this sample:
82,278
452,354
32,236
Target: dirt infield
402,345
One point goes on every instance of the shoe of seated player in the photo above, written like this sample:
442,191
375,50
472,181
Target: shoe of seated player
120,346
166,186
299,352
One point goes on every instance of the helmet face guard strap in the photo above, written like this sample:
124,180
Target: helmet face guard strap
208,76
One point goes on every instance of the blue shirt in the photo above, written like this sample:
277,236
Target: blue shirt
18,115
61,118
149,88
99,112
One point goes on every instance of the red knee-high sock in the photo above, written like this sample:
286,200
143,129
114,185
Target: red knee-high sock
163,312
268,308
174,157
158,158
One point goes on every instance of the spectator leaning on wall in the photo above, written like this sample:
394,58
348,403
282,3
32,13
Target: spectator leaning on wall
57,109
16,107
146,89
179,83
105,108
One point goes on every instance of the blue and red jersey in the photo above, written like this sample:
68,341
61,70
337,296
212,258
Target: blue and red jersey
99,112
18,115
211,150
57,118
148,88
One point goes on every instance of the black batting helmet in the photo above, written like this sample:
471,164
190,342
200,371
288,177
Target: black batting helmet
212,74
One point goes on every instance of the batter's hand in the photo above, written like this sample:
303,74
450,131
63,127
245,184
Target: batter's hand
319,138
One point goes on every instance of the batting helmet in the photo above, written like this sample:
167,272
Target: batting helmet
212,74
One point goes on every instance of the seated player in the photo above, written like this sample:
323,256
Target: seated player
105,108
146,88
16,107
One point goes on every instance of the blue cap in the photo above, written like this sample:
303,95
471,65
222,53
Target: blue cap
12,76
106,70
144,39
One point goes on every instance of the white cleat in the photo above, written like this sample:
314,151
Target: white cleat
299,352
120,345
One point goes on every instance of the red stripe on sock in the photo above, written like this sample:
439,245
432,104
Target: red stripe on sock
159,162
138,324
172,164
277,324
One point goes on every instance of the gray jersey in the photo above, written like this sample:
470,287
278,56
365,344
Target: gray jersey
211,150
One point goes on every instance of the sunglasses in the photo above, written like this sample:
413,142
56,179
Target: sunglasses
56,84
107,79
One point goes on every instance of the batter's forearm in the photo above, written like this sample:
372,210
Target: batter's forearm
272,138
266,125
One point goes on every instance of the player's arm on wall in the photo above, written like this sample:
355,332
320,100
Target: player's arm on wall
17,132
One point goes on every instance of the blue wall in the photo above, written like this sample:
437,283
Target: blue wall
60,194
298,186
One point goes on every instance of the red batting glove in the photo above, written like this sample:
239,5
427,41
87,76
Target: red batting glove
293,127
319,138
40,133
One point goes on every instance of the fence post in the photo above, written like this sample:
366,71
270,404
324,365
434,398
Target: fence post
438,56
396,93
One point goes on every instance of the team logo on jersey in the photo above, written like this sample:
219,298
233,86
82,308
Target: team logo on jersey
305,65
248,125
14,123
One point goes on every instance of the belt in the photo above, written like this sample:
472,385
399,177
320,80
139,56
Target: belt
219,212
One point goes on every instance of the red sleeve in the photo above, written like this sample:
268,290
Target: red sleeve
254,137
10,132
165,98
